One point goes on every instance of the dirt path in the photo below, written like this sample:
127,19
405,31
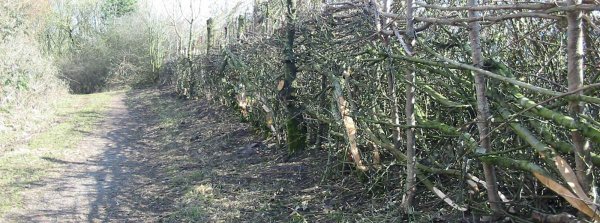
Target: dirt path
156,158
96,181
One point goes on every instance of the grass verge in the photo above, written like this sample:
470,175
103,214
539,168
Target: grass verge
24,165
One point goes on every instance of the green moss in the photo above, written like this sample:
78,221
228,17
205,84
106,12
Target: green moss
509,163
296,136
558,118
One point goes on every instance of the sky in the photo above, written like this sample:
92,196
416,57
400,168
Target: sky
200,8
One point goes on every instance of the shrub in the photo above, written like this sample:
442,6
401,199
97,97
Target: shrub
29,85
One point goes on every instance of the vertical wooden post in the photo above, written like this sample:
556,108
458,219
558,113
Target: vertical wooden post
409,112
483,111
209,34
240,27
226,34
583,158
296,133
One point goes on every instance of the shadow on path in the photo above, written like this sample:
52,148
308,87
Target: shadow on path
102,180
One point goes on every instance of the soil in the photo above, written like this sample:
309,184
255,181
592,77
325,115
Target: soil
156,158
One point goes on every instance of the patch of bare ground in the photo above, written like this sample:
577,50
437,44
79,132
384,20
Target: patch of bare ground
220,170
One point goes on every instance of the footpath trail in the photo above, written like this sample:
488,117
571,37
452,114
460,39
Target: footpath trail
96,181
156,158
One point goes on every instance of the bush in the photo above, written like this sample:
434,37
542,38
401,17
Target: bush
29,85
86,69
125,52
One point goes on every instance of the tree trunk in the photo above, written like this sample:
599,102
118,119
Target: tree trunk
189,52
583,161
407,200
209,34
483,111
240,27
296,133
